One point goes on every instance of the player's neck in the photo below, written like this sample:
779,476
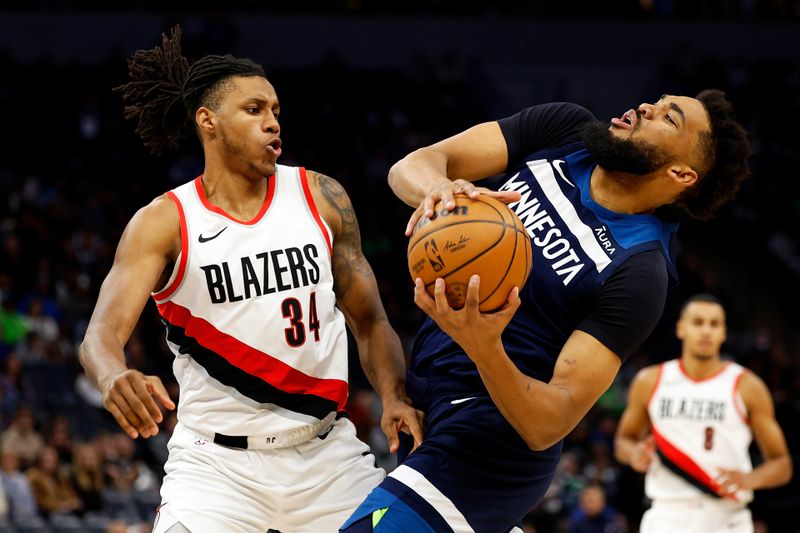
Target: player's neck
627,195
237,195
697,368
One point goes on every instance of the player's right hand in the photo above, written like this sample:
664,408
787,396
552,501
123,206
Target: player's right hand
444,193
643,454
130,396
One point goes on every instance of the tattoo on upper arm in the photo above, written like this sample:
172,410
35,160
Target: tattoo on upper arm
348,259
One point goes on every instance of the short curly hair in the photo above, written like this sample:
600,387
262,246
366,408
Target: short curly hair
724,165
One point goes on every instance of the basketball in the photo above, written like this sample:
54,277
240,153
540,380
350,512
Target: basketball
481,236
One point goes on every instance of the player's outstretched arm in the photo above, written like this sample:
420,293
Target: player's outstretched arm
630,448
437,172
379,347
147,246
542,413
776,470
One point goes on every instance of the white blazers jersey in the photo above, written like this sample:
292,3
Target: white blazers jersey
260,346
699,426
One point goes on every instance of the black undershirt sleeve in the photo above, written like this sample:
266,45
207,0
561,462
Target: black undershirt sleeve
629,305
542,126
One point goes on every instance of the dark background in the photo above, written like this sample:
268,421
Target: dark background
361,84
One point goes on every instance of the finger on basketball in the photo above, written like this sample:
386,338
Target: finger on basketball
122,421
446,197
412,222
428,203
156,387
422,298
473,293
471,190
512,303
507,197
439,296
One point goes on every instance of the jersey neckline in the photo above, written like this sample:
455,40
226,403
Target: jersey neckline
682,367
198,183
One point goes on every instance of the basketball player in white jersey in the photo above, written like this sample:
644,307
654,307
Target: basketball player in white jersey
702,414
255,267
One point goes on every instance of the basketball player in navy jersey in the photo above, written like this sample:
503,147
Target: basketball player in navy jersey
701,413
254,267
501,390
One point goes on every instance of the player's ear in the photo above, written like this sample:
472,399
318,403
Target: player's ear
205,119
679,329
682,175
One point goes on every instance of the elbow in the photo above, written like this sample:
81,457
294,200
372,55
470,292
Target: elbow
82,354
540,445
540,441
394,175
788,470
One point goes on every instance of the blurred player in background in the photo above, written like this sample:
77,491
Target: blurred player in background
702,413
501,390
255,267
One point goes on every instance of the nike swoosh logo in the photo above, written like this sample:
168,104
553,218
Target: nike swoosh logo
462,400
206,239
557,163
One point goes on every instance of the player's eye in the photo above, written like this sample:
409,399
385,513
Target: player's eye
669,118
252,110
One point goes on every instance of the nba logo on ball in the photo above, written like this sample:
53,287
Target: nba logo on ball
480,236
432,252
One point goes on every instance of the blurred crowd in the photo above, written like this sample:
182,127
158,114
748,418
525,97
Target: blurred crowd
73,173
664,9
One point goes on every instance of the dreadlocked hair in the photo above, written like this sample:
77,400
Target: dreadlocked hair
165,90
725,167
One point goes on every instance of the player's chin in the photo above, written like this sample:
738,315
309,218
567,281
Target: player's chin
265,168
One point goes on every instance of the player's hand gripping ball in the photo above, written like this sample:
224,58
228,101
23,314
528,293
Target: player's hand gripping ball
481,236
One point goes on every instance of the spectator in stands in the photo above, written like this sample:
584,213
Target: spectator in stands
126,472
51,485
593,515
21,437
16,487
87,476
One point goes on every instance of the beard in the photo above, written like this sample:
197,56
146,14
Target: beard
626,156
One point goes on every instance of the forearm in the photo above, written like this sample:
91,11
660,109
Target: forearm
101,355
381,355
538,411
772,473
624,448
414,176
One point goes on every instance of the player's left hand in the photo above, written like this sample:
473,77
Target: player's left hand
399,415
477,333
731,481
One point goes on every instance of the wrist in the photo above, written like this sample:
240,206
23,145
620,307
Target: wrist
394,396
485,352
105,381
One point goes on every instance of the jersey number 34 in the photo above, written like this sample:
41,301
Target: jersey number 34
293,310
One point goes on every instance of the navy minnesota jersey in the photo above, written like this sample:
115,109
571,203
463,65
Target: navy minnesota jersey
577,246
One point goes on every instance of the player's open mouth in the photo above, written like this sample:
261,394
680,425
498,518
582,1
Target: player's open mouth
627,121
275,146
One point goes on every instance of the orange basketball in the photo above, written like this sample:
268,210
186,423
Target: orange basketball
481,236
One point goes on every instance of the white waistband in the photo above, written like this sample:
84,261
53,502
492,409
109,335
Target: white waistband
283,439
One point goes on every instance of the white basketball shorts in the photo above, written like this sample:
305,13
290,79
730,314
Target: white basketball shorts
309,488
703,515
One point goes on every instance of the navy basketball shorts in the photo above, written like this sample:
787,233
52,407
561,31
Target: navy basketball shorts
473,473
